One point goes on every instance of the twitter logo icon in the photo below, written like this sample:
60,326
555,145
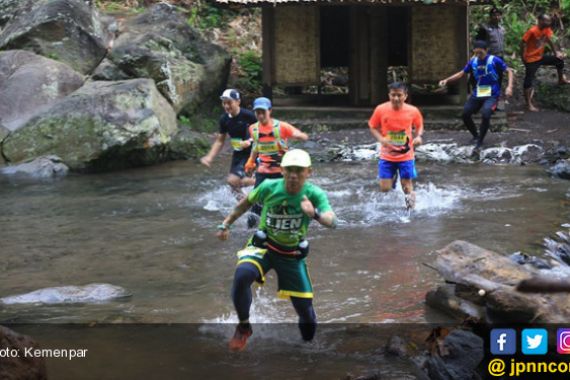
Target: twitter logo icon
534,341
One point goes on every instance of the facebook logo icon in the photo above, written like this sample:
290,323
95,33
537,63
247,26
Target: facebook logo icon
503,341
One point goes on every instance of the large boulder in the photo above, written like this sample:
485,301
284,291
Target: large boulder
188,70
101,126
20,367
30,83
69,31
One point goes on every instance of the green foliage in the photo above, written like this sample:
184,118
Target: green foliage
250,64
519,16
206,16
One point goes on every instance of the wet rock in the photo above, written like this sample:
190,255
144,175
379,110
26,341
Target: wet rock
445,299
497,277
561,169
29,84
396,346
187,144
524,259
559,247
22,367
460,354
159,44
92,293
68,31
39,168
101,126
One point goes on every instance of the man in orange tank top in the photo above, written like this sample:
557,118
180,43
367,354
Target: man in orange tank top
393,124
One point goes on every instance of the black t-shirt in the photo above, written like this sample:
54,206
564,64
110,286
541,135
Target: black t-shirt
238,128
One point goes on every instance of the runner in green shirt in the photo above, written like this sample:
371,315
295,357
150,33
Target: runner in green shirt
289,205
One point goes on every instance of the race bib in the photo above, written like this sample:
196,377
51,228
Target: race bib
250,251
236,144
484,91
397,138
267,147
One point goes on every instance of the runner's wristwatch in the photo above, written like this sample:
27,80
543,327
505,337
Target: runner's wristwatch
317,215
224,227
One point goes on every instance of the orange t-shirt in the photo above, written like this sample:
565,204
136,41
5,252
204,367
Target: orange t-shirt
397,126
271,163
535,39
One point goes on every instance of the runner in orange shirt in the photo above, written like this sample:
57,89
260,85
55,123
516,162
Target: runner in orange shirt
532,54
392,125
270,142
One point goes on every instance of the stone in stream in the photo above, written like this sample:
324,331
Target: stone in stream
92,293
475,268
68,31
561,169
40,168
21,367
30,84
159,44
459,355
101,126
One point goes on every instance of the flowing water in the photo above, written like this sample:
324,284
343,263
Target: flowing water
151,231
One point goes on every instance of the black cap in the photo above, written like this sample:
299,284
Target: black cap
495,10
480,45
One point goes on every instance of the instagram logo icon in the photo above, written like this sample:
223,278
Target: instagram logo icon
563,341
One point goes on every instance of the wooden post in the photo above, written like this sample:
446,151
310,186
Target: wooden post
378,54
463,46
267,44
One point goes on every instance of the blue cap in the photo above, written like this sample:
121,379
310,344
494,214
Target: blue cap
261,104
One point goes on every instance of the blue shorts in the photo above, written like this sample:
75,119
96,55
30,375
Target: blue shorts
388,169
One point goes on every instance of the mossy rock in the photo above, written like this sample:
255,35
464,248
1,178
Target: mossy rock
159,44
101,126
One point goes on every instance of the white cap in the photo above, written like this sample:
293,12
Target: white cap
230,94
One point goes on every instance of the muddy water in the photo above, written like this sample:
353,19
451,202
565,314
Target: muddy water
151,232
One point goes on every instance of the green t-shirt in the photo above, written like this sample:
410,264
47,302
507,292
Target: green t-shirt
282,217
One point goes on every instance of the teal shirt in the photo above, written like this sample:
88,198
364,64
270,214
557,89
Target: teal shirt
282,217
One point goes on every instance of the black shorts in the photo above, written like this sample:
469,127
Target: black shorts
532,68
260,177
237,167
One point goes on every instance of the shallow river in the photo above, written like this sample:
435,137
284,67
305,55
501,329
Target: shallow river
152,232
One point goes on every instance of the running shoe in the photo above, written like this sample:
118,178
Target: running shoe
239,340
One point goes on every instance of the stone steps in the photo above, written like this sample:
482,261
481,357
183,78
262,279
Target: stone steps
320,119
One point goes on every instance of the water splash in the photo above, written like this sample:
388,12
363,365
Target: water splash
92,293
365,206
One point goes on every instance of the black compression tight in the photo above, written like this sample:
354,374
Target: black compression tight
244,277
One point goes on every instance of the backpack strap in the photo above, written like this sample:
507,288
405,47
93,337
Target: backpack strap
255,135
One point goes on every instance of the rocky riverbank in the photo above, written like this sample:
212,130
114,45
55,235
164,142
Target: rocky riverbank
96,92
